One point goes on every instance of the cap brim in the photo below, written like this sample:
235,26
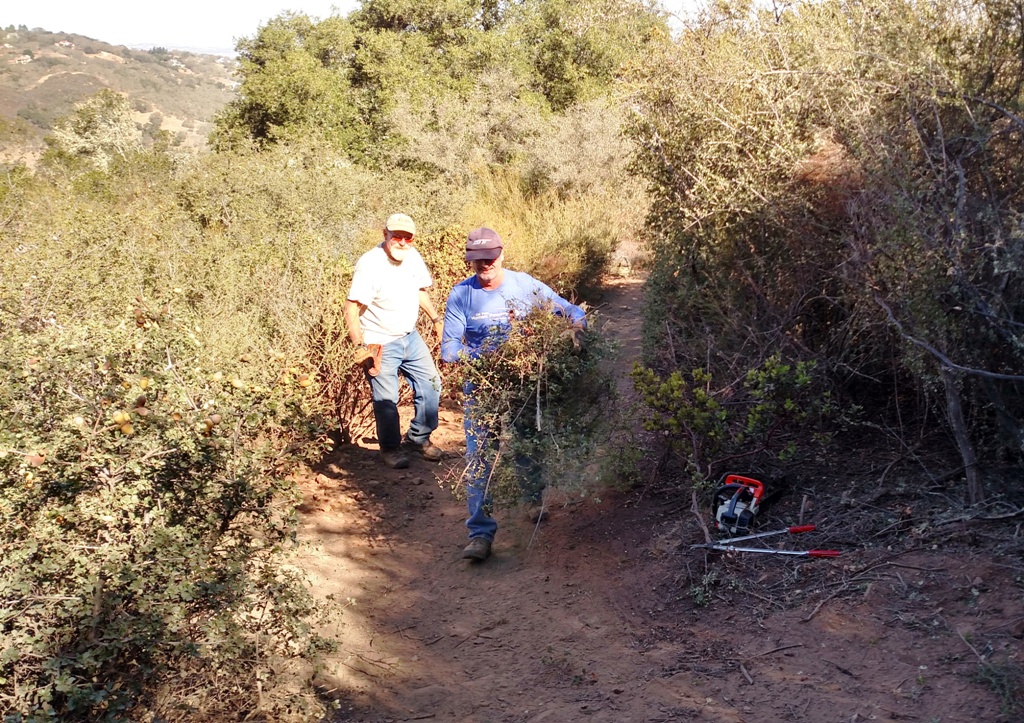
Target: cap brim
483,254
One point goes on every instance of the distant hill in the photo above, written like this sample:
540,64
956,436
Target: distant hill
43,75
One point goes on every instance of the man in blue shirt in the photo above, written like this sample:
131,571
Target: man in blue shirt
477,320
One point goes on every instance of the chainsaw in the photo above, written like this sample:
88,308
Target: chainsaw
736,503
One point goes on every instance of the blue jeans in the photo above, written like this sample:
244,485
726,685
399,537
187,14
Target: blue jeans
409,357
479,502
478,472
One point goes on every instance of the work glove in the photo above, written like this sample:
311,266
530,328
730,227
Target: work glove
368,357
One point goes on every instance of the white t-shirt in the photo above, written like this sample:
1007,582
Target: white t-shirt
391,293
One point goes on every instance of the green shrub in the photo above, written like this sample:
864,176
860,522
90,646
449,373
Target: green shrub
144,511
710,425
546,395
809,199
563,241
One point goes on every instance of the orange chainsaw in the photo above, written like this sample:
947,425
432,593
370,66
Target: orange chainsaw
736,503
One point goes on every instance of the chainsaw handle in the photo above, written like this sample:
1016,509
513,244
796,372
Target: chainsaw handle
802,528
823,553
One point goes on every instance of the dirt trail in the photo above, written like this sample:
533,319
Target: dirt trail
594,616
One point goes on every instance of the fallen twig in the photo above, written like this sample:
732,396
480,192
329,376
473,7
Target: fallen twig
840,668
982,518
695,508
746,674
775,650
973,649
895,715
1005,624
915,567
821,603
359,670
484,629
384,666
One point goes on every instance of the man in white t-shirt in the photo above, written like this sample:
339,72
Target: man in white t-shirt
388,290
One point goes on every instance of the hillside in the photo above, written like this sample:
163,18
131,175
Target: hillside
43,75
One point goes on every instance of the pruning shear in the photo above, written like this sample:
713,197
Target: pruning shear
728,545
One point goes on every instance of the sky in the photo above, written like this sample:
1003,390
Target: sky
209,26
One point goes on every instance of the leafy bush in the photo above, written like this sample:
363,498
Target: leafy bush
144,508
250,252
710,426
546,395
564,241
841,181
99,129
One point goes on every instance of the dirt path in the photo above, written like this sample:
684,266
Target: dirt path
594,616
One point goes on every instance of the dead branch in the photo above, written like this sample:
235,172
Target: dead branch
973,649
695,508
775,650
995,106
942,358
981,518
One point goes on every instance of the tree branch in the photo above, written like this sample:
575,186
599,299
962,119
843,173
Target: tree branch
942,358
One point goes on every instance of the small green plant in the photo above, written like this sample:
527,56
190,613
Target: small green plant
1007,681
702,592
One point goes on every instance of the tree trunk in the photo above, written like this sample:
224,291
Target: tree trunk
955,412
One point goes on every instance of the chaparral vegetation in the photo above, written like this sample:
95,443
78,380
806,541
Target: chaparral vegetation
825,196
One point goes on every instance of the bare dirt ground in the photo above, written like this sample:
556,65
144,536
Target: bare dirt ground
604,613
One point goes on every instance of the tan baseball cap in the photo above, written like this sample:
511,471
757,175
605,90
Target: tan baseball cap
400,222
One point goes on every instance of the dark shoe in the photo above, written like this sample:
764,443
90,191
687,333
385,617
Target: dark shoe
479,549
428,450
395,458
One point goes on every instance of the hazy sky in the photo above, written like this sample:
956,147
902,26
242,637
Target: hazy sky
210,25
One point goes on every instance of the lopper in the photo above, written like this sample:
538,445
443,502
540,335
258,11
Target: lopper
729,546
795,530
799,553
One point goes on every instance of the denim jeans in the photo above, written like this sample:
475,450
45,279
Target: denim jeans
479,502
408,357
478,473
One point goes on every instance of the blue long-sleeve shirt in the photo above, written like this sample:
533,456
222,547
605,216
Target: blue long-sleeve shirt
476,319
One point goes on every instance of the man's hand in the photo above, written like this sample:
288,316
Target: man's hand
368,357
575,332
438,327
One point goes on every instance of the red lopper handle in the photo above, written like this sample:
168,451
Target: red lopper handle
823,553
802,528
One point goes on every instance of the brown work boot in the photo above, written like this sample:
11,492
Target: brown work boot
428,450
395,458
478,549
